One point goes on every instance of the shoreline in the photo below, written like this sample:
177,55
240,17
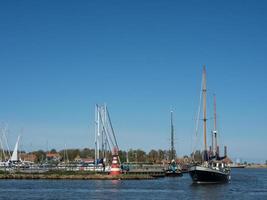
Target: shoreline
74,177
256,166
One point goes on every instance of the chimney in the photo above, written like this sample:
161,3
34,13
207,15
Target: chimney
212,145
218,151
225,151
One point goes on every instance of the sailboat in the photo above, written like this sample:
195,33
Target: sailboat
212,169
14,159
173,169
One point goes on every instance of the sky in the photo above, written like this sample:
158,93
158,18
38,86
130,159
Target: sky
142,58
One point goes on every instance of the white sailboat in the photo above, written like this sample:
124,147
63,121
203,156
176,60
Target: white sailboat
14,160
15,157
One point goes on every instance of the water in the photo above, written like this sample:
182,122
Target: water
245,184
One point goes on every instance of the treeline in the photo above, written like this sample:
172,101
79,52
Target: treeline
133,155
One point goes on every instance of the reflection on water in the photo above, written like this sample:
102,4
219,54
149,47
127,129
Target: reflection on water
115,182
245,184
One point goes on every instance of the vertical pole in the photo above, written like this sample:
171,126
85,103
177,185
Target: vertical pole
172,138
212,144
105,124
204,90
215,143
218,151
215,115
96,131
215,125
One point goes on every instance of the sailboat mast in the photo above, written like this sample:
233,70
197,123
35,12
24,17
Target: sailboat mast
204,91
215,126
172,138
215,115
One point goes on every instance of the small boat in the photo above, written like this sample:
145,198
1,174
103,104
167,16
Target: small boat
212,169
173,170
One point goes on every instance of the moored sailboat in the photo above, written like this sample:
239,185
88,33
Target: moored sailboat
212,169
173,169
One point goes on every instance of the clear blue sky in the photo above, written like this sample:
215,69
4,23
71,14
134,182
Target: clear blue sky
59,58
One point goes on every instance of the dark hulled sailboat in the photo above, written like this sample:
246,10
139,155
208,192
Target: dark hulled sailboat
211,170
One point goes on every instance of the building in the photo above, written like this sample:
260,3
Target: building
28,157
53,156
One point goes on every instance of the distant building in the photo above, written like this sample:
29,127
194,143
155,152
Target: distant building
227,160
78,159
184,160
28,157
53,156
88,160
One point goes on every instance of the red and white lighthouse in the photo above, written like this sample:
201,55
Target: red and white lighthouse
115,165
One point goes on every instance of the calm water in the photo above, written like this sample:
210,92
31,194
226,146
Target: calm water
245,184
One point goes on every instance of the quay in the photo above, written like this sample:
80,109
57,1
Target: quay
82,175
77,177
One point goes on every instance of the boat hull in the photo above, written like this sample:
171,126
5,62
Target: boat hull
206,175
173,173
237,166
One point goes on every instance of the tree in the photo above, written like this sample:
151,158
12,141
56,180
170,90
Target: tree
53,151
40,156
132,155
161,155
69,154
153,156
141,155
137,155
87,153
122,155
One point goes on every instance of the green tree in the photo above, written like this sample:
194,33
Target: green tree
161,155
122,155
40,156
53,151
137,155
87,153
132,155
141,155
69,154
153,156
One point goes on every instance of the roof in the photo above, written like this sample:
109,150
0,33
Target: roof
52,155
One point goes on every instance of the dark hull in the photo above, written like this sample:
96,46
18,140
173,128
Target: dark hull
173,174
202,175
241,166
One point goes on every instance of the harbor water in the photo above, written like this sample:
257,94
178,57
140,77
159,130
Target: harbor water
245,184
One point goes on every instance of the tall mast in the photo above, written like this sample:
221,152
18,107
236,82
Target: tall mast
204,91
172,138
96,132
215,115
215,126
